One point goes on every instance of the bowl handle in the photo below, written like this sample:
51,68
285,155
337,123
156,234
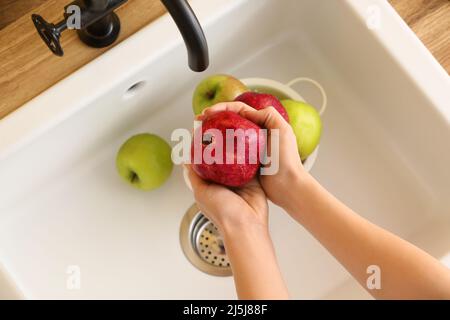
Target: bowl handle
318,85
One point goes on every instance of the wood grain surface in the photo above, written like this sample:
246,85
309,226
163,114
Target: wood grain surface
27,67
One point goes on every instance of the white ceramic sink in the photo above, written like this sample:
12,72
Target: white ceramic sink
385,150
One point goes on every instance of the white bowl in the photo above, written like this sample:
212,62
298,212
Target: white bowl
281,91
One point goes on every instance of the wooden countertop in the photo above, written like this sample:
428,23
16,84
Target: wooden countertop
25,61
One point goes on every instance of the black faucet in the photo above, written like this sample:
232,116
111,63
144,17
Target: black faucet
99,27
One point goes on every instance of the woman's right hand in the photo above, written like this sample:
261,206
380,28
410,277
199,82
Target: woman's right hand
277,185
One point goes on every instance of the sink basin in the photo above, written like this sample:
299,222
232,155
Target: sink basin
385,151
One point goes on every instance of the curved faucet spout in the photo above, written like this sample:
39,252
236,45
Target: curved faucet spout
192,33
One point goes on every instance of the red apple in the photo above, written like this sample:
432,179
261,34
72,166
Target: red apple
263,100
244,152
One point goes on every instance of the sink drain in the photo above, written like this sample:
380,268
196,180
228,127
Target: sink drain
202,244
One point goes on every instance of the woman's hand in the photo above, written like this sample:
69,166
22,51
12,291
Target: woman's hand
240,208
241,215
408,272
276,186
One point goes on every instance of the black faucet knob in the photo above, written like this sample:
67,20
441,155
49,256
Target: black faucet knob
50,33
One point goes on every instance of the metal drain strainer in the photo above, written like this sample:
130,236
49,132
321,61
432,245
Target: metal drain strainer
202,244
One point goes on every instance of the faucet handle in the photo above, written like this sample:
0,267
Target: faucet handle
50,33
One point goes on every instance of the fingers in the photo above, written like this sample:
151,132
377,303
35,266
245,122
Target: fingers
268,118
237,107
208,196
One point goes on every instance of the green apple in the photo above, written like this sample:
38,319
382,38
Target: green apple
144,161
305,120
215,89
